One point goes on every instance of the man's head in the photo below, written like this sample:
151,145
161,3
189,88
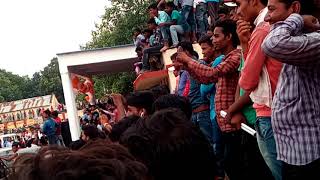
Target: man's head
249,10
153,10
188,48
55,114
173,101
208,50
46,114
279,10
89,132
139,103
92,107
223,13
139,54
152,25
225,35
169,7
147,33
136,32
15,147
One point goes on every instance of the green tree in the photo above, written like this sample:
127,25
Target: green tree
50,80
118,22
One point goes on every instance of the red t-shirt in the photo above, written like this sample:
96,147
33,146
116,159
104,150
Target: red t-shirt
58,128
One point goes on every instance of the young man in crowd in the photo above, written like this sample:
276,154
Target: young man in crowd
139,103
155,43
200,105
212,58
12,157
49,127
183,78
58,127
226,77
259,76
296,115
177,26
138,37
89,132
163,20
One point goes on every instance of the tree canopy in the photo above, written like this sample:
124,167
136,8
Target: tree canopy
47,81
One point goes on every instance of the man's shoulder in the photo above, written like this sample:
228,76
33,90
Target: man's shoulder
262,28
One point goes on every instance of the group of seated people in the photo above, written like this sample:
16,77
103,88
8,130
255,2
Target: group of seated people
170,23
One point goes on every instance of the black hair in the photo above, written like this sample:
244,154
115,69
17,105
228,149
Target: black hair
187,46
159,91
225,10
170,4
229,27
98,160
43,141
47,112
15,144
153,6
138,48
55,114
174,101
137,30
152,21
264,2
119,128
141,99
91,131
147,31
205,39
76,145
168,143
174,56
307,7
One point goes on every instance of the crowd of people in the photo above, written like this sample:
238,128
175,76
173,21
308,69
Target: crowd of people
260,67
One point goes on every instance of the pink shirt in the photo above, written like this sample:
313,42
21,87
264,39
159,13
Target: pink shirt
254,61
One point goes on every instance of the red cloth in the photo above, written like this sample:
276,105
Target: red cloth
186,89
58,121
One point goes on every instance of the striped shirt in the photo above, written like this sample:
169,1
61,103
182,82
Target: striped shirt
296,105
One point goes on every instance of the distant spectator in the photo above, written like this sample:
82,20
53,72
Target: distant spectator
162,19
58,127
155,44
138,37
49,127
89,132
140,103
15,148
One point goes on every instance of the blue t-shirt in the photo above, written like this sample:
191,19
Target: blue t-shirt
209,90
195,97
49,127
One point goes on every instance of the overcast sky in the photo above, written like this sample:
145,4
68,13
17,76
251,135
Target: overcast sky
33,31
